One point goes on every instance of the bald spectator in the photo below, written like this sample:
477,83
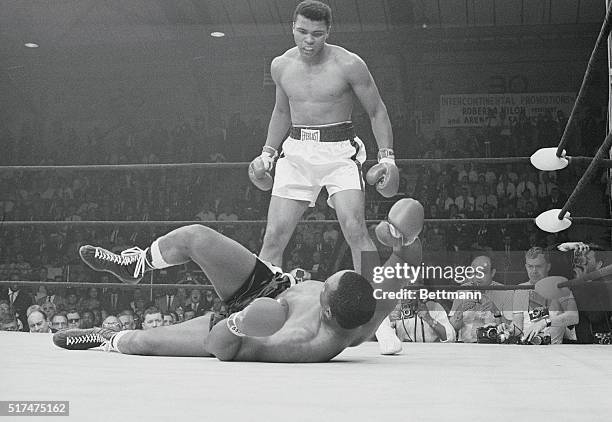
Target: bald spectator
38,323
127,320
33,308
112,323
467,316
59,322
152,318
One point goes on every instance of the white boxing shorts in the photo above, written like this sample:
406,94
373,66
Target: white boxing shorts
314,157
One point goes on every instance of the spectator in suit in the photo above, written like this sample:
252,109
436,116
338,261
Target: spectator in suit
52,297
167,302
18,298
115,301
195,303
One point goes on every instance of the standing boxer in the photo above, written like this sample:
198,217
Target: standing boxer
315,86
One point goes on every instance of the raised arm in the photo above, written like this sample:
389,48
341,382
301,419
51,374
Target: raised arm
400,231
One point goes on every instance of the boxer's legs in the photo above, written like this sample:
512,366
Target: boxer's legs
350,209
184,339
283,216
226,263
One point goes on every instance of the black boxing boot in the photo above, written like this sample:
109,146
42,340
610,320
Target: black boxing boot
82,339
129,266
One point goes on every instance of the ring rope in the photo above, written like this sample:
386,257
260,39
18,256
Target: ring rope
209,287
442,221
603,149
602,39
119,285
240,165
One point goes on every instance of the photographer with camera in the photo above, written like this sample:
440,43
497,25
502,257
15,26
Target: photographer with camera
468,315
535,315
421,321
593,301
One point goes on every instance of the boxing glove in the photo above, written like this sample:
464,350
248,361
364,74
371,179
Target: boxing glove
262,318
385,174
261,167
403,225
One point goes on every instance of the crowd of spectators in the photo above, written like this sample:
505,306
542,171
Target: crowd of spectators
49,253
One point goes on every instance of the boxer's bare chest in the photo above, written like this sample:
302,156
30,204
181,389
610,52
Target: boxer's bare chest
322,83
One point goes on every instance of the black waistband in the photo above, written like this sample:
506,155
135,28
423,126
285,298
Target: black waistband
335,133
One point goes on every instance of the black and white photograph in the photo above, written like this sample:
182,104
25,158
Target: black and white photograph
285,210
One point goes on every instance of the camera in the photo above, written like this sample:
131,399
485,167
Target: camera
488,335
539,340
603,338
538,313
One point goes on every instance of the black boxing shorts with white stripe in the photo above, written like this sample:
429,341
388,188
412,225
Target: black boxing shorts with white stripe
262,282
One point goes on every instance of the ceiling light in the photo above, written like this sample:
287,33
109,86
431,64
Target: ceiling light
31,45
217,34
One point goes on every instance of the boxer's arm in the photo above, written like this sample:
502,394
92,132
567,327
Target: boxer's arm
411,255
222,343
280,122
366,91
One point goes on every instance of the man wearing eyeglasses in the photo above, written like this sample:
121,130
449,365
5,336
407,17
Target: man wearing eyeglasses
74,319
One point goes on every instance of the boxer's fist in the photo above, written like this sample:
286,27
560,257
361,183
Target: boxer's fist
262,318
385,174
260,168
403,225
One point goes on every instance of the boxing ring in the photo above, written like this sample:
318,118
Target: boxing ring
426,382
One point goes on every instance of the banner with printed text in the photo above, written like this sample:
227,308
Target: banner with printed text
476,110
